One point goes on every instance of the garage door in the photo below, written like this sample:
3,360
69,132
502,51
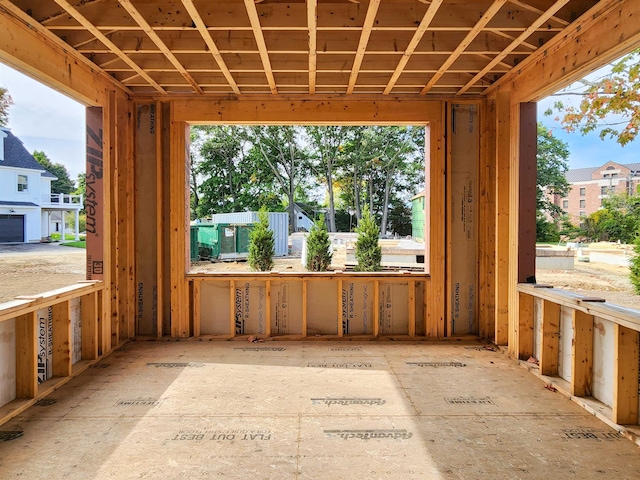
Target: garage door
11,228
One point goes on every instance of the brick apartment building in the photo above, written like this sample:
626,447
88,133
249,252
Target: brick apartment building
590,186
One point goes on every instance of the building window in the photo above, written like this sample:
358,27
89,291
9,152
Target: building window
583,203
565,204
604,190
23,183
583,214
583,191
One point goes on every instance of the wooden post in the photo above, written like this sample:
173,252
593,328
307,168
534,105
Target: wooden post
487,222
113,243
26,356
435,246
527,173
501,244
62,339
525,326
179,228
625,376
342,313
376,308
195,306
304,308
232,307
267,308
582,354
412,307
550,338
89,307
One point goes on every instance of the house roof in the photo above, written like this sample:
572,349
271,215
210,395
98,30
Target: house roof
584,174
17,204
17,156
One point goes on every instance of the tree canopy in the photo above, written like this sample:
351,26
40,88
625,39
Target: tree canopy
5,102
610,105
63,184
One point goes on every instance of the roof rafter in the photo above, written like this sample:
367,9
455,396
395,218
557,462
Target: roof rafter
511,37
543,18
312,23
477,28
262,46
531,8
413,43
208,39
114,48
140,20
372,11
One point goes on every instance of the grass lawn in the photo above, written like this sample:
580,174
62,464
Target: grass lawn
56,237
80,244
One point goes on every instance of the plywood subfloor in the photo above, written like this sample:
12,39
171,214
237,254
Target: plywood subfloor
312,410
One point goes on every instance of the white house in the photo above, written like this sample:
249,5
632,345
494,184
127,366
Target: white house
26,201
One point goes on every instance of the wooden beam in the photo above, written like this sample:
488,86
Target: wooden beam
473,33
312,23
31,49
140,20
413,43
369,20
582,355
26,355
81,19
550,338
179,228
312,110
571,56
502,195
531,8
511,37
521,38
262,46
625,376
213,48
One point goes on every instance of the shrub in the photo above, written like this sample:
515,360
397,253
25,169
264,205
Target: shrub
634,265
368,252
261,244
318,247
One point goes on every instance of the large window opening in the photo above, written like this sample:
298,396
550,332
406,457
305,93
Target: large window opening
42,144
302,175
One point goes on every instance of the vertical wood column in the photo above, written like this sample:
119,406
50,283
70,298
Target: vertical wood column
26,356
502,192
582,354
113,214
89,307
487,222
61,340
179,228
97,206
550,338
625,376
435,241
125,259
525,326
522,210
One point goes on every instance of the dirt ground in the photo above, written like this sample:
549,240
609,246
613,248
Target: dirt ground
35,268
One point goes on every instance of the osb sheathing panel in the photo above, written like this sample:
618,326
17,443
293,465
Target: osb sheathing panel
322,308
357,307
94,203
146,219
215,308
286,308
463,247
7,361
394,308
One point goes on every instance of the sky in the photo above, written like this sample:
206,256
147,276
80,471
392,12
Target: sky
51,122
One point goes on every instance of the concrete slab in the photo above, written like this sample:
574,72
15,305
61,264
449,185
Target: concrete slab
312,410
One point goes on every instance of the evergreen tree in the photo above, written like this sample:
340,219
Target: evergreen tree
368,251
318,247
634,266
261,244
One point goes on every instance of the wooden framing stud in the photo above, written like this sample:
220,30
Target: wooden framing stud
411,297
525,326
89,309
26,356
582,354
550,338
62,339
625,376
